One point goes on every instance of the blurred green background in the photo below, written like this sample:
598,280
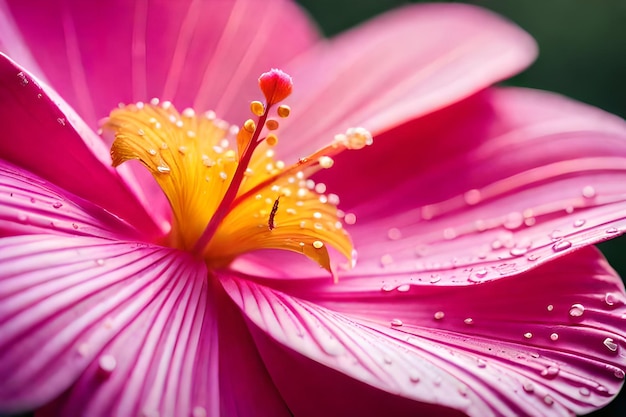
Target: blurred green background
582,55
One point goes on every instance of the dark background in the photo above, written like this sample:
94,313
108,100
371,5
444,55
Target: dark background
582,54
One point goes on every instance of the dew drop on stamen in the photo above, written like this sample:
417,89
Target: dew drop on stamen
518,251
561,245
163,169
576,310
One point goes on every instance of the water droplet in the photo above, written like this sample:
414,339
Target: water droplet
555,235
100,262
610,344
198,411
22,79
472,197
83,349
414,377
550,307
513,221
611,230
61,121
449,233
435,278
387,288
403,288
584,391
32,200
602,389
57,204
561,245
528,387
579,223
394,234
554,337
481,363
439,315
548,400
163,169
74,225
619,373
533,257
387,360
589,192
468,321
396,323
576,310
385,260
481,273
107,364
550,372
21,217
528,335
610,299
318,244
518,251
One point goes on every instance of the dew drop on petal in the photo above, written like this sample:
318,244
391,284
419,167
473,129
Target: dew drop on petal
561,245
528,387
481,363
472,197
198,411
107,364
610,344
619,373
61,121
554,337
414,377
579,223
396,323
548,400
435,278
576,310
439,315
611,230
387,288
550,307
57,204
589,192
584,391
468,321
394,234
610,299
550,372
403,288
528,335
100,262
518,251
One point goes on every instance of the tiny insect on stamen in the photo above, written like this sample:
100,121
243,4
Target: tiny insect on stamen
270,222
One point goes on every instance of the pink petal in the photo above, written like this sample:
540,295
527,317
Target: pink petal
65,300
50,140
490,187
30,205
121,328
525,351
201,53
404,64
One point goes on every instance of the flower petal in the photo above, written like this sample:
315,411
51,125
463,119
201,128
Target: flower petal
422,345
50,140
490,187
120,328
201,53
401,65
30,205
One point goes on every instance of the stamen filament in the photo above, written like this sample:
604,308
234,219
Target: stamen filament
231,193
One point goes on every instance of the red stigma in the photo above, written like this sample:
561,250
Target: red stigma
275,85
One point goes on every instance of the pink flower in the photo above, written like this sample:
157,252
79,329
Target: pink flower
476,290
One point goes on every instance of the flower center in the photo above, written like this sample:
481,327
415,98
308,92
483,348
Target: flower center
228,200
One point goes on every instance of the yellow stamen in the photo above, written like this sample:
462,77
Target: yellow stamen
229,201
